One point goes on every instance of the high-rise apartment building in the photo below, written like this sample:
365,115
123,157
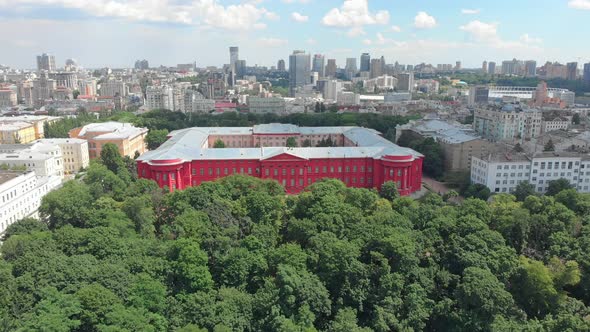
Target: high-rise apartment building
530,68
511,67
331,68
365,62
113,88
319,65
492,68
376,68
351,68
572,71
405,82
484,67
46,62
299,70
281,65
458,65
142,64
587,73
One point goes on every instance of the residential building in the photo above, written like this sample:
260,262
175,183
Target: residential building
331,68
281,65
556,123
65,79
397,97
351,69
299,71
45,161
362,158
405,82
159,97
74,152
129,139
459,142
376,69
331,90
512,67
484,67
46,62
509,122
113,88
503,172
21,194
275,105
587,73
43,88
478,94
492,68
8,97
202,105
142,64
384,82
87,87
530,68
572,71
63,93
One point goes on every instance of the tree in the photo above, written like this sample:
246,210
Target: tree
549,146
291,142
389,191
524,190
557,186
307,143
576,119
156,137
111,158
518,148
219,144
477,190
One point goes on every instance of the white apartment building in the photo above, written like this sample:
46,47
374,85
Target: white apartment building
555,124
501,173
331,90
159,97
266,105
74,152
21,194
384,82
112,88
507,123
202,105
43,163
348,98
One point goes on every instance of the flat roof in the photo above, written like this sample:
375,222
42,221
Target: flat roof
6,176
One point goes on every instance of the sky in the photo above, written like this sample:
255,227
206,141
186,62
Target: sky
115,33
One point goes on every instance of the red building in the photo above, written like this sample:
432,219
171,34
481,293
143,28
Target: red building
361,158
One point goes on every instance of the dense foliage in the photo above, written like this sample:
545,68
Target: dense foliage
117,254
434,156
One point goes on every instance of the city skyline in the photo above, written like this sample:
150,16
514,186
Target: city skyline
169,32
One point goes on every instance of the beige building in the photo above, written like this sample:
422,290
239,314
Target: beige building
74,152
459,142
129,139
16,132
7,97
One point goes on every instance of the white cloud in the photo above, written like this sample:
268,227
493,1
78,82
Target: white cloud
355,14
470,11
211,13
299,18
424,21
530,40
395,28
481,32
295,1
579,4
379,40
272,42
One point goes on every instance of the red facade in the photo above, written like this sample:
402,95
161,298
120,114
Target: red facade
293,172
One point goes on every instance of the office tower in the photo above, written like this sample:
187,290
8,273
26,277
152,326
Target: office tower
281,65
299,71
234,55
319,65
572,71
65,79
240,69
331,68
365,62
458,65
530,68
484,67
491,68
351,68
46,62
512,67
587,73
405,82
376,68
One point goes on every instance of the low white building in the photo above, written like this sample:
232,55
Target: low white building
21,194
348,98
266,105
501,173
559,123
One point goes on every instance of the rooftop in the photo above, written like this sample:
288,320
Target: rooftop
112,130
6,176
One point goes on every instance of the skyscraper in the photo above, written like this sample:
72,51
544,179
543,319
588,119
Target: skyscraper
376,68
405,82
530,68
318,65
365,62
484,67
350,68
331,68
46,62
587,73
281,65
572,71
458,65
299,71
491,68
234,56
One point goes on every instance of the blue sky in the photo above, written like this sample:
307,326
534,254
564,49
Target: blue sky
117,32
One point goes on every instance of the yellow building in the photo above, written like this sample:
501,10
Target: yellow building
17,132
129,139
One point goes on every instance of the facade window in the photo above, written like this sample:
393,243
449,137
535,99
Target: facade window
173,176
292,182
362,169
165,177
324,169
194,171
292,171
301,171
276,172
284,172
399,172
370,169
301,182
233,170
347,169
225,171
202,171
331,169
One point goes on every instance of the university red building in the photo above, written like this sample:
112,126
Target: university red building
361,157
